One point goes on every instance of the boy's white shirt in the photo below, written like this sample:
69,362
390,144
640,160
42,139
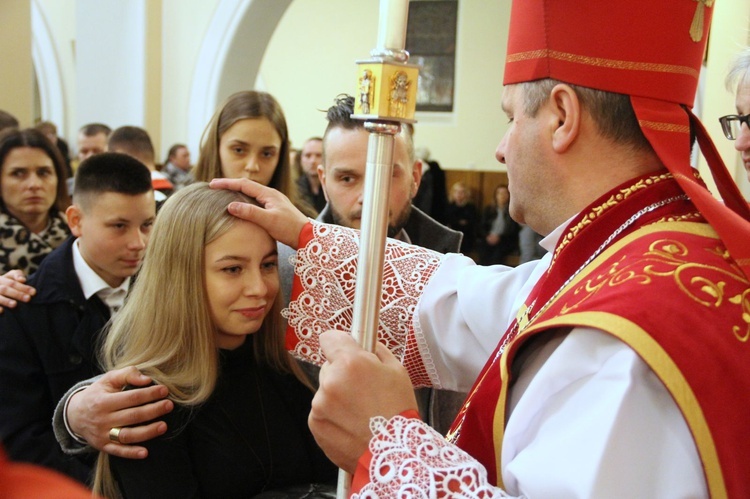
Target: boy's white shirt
93,284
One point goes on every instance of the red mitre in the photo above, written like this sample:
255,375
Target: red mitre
651,51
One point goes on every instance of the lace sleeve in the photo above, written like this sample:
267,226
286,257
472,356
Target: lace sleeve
407,458
323,294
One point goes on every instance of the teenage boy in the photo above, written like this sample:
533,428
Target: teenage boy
49,344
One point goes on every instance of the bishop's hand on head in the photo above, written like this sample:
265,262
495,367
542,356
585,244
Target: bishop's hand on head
278,215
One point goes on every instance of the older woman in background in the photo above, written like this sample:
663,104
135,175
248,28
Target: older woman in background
33,200
732,125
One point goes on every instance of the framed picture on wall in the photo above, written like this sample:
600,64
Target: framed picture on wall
431,43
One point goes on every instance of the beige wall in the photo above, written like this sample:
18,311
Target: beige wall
311,58
153,85
184,24
16,84
730,32
174,34
60,19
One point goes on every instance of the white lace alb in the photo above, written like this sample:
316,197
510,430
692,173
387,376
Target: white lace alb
327,269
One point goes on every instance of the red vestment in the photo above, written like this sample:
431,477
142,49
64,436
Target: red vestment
692,333
643,237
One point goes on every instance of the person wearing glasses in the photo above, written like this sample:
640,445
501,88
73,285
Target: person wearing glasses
739,76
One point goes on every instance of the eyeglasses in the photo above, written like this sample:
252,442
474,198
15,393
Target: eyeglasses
732,124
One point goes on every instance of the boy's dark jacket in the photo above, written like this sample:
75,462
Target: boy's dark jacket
46,346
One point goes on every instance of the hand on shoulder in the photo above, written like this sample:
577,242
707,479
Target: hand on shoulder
111,418
13,288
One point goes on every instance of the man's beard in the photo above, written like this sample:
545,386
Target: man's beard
394,227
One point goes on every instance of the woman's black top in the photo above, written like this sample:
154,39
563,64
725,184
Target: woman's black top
250,436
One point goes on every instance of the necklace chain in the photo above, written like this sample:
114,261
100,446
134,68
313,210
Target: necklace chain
453,435
630,221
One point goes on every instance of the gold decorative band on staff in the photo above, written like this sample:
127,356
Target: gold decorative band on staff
386,91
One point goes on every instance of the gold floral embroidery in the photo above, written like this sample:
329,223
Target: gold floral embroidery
707,285
682,218
597,211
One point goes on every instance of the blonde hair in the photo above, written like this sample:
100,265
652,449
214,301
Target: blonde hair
170,336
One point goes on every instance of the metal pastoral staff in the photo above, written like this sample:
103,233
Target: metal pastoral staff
387,95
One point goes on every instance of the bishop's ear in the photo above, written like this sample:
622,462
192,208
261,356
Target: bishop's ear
566,114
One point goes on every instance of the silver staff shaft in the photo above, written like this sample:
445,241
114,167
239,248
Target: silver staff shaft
386,99
373,232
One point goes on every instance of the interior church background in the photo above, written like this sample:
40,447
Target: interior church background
166,64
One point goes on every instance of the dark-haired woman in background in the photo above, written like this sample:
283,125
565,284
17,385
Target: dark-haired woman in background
33,200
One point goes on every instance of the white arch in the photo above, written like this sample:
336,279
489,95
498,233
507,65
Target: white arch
230,56
48,70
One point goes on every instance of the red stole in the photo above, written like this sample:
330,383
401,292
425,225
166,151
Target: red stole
691,333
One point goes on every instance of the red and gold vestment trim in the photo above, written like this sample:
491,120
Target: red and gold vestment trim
692,330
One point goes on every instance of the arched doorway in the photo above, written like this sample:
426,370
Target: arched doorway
230,55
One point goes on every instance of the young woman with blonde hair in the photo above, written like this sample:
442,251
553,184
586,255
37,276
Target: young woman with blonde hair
239,426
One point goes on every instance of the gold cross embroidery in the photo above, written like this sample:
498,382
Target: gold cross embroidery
696,27
522,317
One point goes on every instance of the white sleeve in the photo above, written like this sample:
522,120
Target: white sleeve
442,315
590,419
464,311
408,458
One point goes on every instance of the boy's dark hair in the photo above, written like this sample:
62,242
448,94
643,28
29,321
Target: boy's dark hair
111,172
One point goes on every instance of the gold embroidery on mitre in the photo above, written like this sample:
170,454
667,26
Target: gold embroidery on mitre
696,27
602,62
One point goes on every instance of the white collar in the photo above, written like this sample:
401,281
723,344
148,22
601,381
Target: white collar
92,284
550,241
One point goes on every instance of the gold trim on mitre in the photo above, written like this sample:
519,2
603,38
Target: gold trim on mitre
604,63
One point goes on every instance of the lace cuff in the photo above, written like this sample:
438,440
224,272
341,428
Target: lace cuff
323,295
410,459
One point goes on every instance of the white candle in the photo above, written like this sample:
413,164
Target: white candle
392,24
